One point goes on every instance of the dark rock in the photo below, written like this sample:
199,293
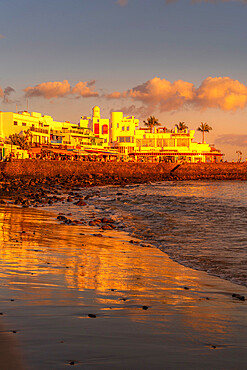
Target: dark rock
238,296
106,227
81,203
61,218
92,315
145,307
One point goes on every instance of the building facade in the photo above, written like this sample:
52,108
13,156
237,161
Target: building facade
117,134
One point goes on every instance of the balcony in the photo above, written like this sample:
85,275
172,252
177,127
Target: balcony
39,130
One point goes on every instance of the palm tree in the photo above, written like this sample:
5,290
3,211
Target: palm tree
204,127
181,126
239,153
151,122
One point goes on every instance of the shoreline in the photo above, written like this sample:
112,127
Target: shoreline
21,173
211,325
49,198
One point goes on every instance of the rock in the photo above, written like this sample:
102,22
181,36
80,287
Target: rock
68,221
69,199
238,296
61,218
145,307
81,203
106,227
92,315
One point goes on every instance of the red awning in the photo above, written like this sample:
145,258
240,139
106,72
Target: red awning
34,151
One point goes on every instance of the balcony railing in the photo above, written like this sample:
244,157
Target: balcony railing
40,130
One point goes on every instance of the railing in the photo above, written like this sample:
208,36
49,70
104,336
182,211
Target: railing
40,130
65,131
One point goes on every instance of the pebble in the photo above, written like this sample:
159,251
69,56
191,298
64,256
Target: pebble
92,315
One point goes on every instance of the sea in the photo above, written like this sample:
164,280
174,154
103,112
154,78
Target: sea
199,224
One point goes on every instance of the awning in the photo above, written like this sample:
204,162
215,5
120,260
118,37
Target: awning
34,150
95,151
174,154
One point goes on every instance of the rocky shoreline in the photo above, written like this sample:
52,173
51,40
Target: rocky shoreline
45,183
34,174
37,182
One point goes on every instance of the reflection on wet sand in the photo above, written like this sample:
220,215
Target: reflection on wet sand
48,267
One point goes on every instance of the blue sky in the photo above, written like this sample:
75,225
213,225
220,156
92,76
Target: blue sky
122,47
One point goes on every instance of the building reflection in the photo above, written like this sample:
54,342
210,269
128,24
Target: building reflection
55,262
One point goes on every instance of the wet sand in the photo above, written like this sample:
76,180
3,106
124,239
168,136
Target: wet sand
150,311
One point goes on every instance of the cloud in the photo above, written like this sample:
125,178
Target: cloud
133,110
114,95
6,94
91,83
164,94
60,89
233,140
49,90
84,89
223,93
2,36
122,2
214,92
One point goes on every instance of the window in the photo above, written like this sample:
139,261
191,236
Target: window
96,128
128,128
15,123
124,139
105,130
123,128
117,125
24,124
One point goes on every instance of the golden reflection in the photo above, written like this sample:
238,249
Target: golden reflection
54,261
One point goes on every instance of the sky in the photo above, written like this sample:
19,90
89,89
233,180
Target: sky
181,61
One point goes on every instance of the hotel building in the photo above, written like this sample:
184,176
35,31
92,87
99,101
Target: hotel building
94,134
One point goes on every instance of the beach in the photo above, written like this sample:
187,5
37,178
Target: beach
74,295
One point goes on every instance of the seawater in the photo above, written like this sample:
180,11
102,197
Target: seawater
200,224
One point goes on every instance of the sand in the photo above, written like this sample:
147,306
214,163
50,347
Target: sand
151,313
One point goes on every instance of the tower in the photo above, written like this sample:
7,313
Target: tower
96,112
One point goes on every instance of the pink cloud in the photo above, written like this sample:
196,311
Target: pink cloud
223,93
60,89
219,92
49,90
234,140
84,89
115,95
